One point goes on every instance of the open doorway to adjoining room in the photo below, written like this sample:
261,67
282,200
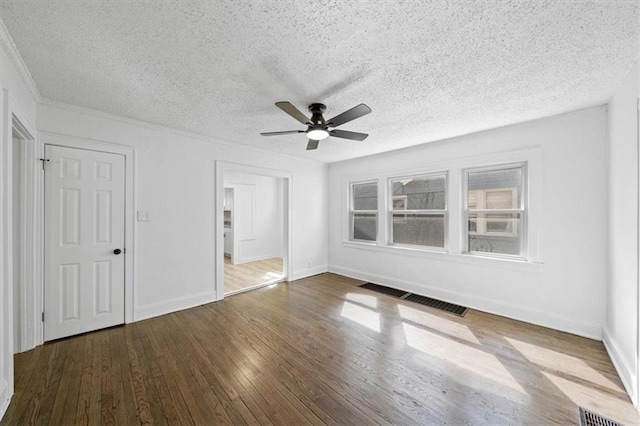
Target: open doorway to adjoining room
254,230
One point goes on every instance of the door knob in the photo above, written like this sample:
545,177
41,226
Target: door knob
117,251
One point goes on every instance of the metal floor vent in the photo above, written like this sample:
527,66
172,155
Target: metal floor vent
423,300
587,418
385,290
438,304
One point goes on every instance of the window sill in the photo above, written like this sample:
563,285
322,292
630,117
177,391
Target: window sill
447,256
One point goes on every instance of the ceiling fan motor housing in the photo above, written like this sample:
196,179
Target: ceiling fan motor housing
316,114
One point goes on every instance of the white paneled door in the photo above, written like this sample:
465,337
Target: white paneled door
84,241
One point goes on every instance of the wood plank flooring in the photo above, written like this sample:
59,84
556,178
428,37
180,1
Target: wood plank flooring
317,351
250,274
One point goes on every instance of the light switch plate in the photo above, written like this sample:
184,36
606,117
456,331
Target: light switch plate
144,216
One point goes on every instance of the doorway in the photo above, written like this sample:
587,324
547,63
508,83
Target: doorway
254,203
253,231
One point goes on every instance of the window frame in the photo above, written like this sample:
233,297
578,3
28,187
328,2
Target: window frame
391,218
522,210
353,211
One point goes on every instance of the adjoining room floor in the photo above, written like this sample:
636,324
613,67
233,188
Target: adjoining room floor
319,350
250,274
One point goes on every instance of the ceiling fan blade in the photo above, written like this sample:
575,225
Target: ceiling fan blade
348,135
355,112
313,144
293,111
286,132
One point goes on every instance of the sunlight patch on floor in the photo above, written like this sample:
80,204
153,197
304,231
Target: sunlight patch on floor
440,324
363,299
272,276
361,315
593,400
462,356
558,361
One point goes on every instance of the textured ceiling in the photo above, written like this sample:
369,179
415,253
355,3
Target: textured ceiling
428,69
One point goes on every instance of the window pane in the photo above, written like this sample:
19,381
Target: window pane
364,226
494,233
421,193
495,189
365,196
417,229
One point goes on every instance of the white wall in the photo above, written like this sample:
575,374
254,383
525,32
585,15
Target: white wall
621,333
175,180
17,97
258,216
565,288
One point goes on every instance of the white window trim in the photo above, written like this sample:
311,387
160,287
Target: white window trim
531,155
522,210
353,212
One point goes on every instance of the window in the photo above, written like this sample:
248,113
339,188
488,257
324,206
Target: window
418,210
495,210
364,211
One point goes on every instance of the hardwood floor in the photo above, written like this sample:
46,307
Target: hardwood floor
251,274
319,350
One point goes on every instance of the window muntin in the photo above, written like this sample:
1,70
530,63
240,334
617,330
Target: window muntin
363,212
495,210
418,210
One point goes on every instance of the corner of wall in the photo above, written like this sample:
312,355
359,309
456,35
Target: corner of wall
627,374
300,274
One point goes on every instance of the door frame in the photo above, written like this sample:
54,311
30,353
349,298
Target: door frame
50,138
220,168
30,323
11,115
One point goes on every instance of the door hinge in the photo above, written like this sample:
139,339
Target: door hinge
43,317
44,160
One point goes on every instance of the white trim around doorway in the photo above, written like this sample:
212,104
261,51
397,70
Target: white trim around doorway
49,138
29,230
220,168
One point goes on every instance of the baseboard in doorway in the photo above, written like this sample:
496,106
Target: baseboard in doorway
5,398
256,259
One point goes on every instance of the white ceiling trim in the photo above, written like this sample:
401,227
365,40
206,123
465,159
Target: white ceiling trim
16,59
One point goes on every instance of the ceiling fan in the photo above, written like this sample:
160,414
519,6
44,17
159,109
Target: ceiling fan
317,127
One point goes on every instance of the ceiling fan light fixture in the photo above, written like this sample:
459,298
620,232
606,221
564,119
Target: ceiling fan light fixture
318,134
318,127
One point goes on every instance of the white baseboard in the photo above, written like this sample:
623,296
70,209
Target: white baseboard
298,275
178,304
626,373
520,313
255,259
5,398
